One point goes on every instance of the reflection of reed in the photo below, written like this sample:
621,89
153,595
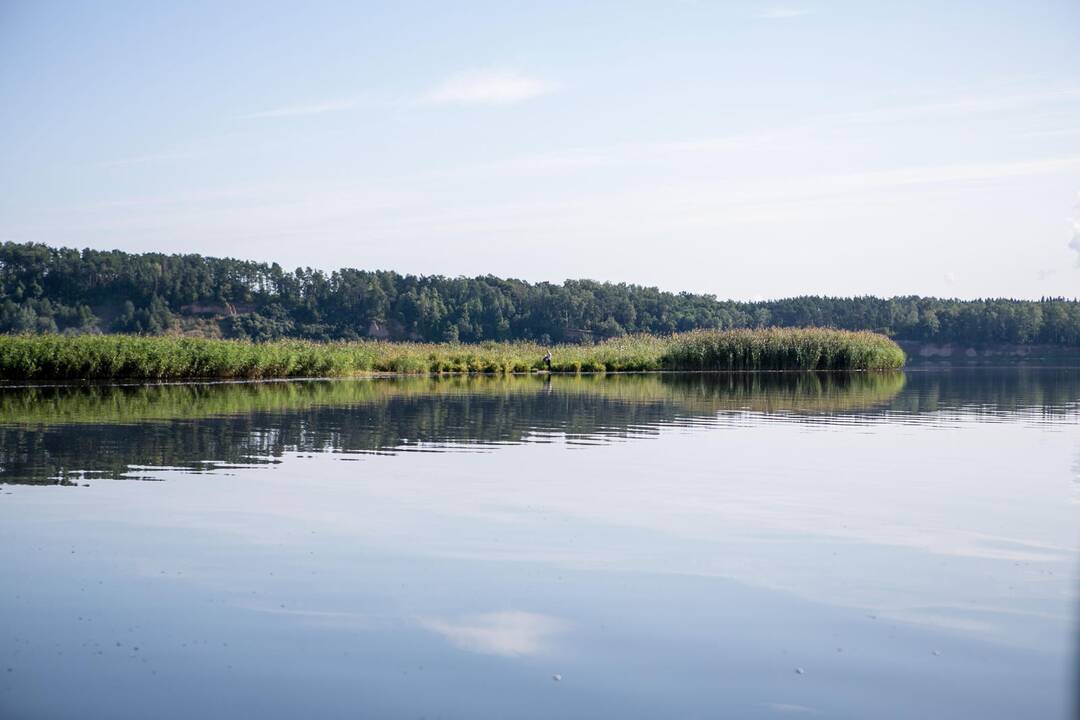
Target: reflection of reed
59,434
696,393
784,392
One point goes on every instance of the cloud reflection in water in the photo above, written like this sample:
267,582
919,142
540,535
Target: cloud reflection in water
509,633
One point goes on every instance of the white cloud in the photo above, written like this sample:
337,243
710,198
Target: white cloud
294,110
509,633
783,13
489,87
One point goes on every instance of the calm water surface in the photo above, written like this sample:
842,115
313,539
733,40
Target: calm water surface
697,546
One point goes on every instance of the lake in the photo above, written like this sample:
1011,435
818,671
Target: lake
631,546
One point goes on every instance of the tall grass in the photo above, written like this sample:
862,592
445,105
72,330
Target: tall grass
110,357
782,349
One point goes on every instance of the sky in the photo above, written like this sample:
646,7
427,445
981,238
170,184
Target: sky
749,150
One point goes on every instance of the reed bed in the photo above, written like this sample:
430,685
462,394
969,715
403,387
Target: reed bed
115,357
802,349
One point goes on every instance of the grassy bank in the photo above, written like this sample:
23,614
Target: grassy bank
110,357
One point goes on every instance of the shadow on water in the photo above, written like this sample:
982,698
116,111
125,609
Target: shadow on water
66,435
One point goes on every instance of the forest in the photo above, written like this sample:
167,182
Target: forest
63,290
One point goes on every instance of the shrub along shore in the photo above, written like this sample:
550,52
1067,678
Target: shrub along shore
116,357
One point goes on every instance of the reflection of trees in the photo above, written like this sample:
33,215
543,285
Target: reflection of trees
61,434
1052,392
57,434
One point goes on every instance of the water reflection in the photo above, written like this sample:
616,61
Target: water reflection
1031,394
508,633
628,546
69,435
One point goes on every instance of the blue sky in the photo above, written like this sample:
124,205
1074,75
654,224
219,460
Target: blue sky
745,149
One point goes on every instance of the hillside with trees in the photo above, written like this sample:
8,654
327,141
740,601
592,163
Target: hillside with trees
62,290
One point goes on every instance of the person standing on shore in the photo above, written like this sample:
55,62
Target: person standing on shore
547,361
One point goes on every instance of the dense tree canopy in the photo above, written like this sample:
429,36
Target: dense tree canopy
45,289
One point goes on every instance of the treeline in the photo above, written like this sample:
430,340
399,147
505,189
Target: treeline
63,290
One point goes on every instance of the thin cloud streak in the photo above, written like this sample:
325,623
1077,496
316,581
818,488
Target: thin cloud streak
584,157
298,110
937,174
962,106
400,209
1074,243
1062,132
783,13
145,159
488,87
665,151
703,207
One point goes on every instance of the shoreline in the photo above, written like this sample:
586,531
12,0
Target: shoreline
137,382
